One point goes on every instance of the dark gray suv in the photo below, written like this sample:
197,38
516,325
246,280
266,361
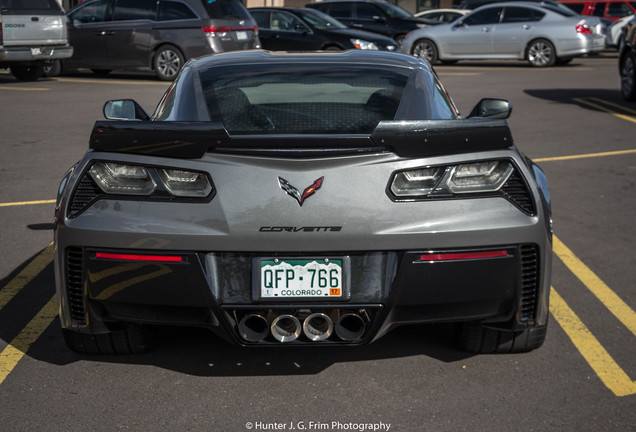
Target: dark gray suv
162,35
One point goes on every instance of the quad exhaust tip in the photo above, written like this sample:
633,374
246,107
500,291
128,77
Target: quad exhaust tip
350,327
286,328
253,328
317,327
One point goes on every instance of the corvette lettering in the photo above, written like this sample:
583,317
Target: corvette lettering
302,229
295,193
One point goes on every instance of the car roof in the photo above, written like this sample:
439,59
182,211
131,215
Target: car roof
379,58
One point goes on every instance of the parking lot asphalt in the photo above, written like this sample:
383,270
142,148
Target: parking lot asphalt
570,119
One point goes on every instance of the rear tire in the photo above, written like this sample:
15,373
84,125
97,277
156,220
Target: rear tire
27,72
425,49
53,68
167,62
473,337
628,78
541,53
131,339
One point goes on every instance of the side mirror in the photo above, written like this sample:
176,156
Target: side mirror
492,108
124,109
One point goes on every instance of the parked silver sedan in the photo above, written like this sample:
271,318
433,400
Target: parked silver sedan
540,33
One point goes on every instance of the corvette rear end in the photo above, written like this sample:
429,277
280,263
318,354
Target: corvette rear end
303,199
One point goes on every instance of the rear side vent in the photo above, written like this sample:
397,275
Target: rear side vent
516,190
85,193
529,282
74,284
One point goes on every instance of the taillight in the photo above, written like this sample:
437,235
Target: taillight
138,257
225,29
583,29
457,256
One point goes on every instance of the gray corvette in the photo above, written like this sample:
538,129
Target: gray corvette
311,199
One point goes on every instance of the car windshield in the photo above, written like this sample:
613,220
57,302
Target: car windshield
393,11
300,99
321,21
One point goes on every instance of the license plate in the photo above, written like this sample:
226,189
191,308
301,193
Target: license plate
241,35
301,278
36,51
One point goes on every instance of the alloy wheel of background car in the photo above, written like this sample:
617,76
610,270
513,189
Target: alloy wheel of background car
541,53
628,78
167,63
426,50
27,73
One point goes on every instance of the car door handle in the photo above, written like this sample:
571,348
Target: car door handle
485,29
525,27
105,33
356,25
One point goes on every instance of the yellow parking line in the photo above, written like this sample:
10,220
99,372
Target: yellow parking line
609,298
118,82
584,156
597,357
18,347
25,276
21,203
617,106
24,88
607,110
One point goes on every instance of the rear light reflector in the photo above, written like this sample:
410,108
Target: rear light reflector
455,256
135,257
583,29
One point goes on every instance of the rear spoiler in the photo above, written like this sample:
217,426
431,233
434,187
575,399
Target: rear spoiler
424,138
409,138
187,140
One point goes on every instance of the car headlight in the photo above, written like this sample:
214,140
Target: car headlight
487,176
364,45
115,178
479,177
183,183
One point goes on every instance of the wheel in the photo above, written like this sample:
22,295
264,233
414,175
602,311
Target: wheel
541,53
28,72
167,62
101,71
131,339
475,338
628,78
425,49
53,68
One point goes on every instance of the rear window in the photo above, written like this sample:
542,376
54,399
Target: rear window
225,9
17,7
292,99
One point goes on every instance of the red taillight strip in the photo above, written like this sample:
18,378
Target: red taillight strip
225,29
133,257
453,256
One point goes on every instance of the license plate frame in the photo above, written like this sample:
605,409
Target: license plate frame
326,263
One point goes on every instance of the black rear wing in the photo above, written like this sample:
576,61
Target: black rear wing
409,138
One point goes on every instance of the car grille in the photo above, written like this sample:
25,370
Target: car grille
529,282
74,284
